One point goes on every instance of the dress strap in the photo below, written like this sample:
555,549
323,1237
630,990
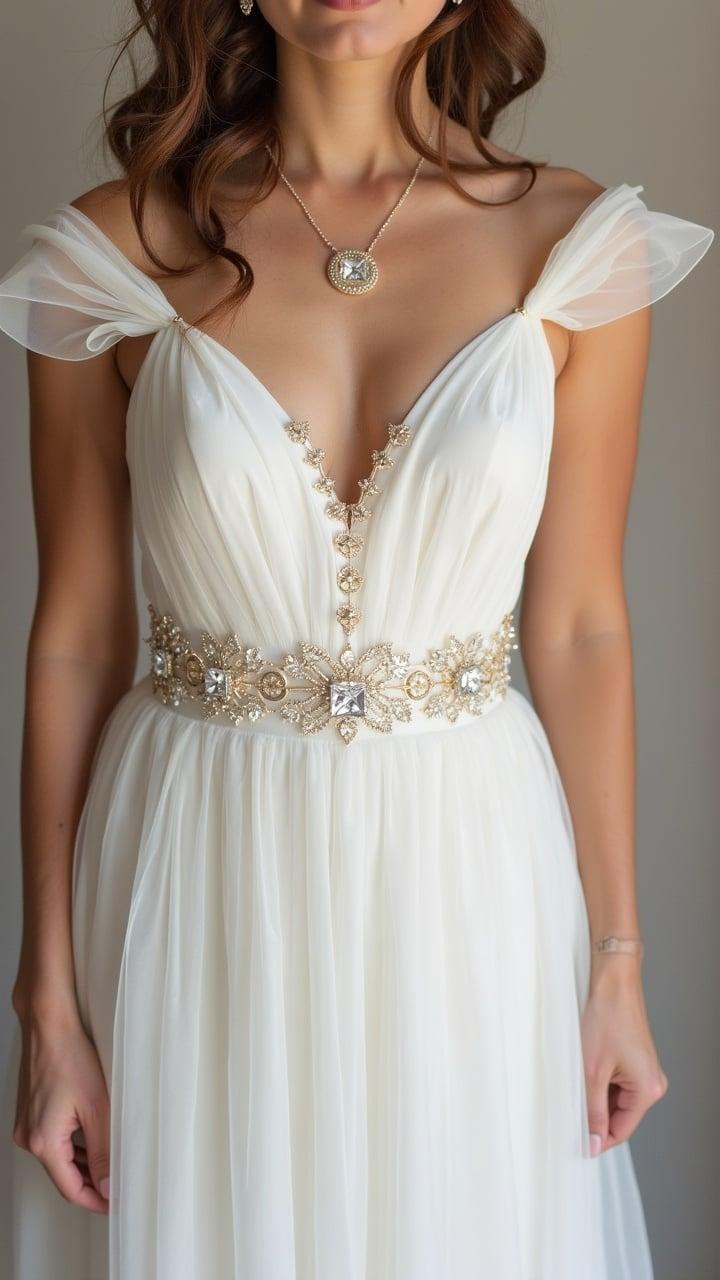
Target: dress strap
73,294
619,256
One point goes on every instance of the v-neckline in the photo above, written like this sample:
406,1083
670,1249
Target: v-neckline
297,430
418,404
409,418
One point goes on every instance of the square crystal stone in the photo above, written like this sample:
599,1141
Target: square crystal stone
217,682
347,698
352,270
470,680
160,663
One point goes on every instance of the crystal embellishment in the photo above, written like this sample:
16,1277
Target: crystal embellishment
313,690
347,698
161,662
348,542
217,683
470,680
472,671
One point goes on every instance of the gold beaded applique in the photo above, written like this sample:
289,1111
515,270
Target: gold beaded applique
347,542
312,690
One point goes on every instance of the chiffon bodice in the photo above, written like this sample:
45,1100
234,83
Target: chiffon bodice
233,531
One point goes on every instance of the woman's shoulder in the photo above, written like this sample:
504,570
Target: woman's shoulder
542,205
601,252
559,197
166,226
551,200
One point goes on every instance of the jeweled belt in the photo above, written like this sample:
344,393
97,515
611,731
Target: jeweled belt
312,690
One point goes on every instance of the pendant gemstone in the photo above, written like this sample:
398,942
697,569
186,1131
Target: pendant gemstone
347,698
352,271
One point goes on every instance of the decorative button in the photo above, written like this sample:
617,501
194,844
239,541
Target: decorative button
349,579
348,617
349,544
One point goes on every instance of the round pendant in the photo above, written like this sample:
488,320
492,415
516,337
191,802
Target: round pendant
352,271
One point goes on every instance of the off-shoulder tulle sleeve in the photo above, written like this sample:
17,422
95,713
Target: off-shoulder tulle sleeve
618,257
72,294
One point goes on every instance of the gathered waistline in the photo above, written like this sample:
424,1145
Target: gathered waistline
380,688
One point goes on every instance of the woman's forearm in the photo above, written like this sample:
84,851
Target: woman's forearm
584,694
68,698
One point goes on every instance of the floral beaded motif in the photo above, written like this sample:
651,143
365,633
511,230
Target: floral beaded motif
347,542
311,689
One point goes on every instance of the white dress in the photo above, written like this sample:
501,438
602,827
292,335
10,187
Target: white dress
335,986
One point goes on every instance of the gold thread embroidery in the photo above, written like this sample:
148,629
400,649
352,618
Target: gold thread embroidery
311,689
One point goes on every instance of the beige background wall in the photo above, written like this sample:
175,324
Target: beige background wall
631,94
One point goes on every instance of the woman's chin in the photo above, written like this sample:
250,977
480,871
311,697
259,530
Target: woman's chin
344,30
348,5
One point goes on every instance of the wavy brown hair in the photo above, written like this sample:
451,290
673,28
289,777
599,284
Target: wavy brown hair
207,102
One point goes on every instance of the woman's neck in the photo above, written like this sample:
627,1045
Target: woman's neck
337,119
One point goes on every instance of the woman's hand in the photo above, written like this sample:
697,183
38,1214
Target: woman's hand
61,1089
623,1076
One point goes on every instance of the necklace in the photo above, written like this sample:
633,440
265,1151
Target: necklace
352,270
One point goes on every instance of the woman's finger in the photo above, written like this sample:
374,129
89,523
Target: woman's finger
629,1102
58,1159
596,1088
95,1124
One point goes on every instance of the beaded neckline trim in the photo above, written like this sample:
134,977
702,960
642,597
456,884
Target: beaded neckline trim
347,542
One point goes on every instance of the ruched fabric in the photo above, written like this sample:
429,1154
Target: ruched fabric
335,991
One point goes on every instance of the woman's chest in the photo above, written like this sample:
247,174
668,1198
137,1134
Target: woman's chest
231,491
352,364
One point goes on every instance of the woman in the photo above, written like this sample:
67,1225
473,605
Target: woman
327,993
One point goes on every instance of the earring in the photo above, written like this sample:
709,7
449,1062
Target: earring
246,6
457,1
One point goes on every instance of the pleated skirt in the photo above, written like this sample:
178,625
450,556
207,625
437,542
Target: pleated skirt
336,995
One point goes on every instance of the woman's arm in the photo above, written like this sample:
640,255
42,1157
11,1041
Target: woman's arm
81,659
576,645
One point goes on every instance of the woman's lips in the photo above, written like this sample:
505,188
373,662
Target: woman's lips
348,4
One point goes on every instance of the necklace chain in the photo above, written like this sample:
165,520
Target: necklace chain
382,227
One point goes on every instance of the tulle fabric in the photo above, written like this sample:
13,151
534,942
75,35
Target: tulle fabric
336,992
347,1041
620,256
70,278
